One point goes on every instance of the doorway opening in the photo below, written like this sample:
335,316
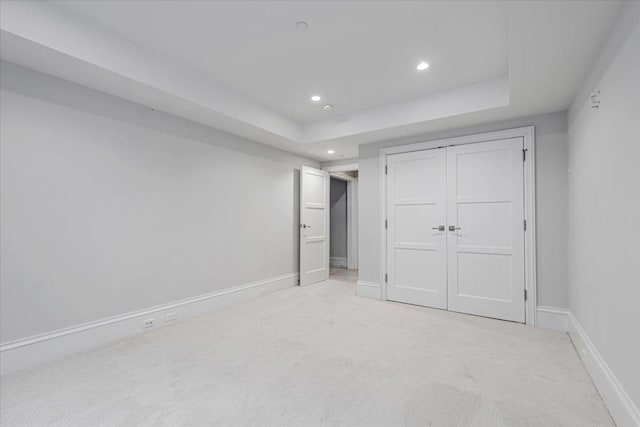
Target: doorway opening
343,256
329,224
343,222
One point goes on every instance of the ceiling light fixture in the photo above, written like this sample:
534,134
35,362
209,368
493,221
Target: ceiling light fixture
422,66
330,151
328,107
302,26
316,98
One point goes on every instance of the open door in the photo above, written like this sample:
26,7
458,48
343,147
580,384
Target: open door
314,225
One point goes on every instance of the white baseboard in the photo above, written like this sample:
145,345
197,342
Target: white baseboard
624,412
368,290
552,318
338,261
621,407
32,351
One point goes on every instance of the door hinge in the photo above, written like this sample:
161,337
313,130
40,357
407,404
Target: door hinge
386,278
524,221
386,224
386,169
524,154
525,294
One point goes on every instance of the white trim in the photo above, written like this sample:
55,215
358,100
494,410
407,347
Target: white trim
31,351
342,168
530,263
338,261
382,183
352,224
552,318
621,407
341,176
528,135
368,290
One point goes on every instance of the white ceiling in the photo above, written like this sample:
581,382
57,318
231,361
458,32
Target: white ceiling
245,68
357,55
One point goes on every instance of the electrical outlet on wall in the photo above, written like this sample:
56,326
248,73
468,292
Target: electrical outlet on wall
147,323
595,99
170,317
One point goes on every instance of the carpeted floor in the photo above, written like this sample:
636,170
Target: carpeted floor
316,356
344,275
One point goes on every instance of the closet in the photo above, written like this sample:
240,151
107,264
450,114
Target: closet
456,229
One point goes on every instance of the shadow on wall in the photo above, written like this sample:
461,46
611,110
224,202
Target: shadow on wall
338,223
52,89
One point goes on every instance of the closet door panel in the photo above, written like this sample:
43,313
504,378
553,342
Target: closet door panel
485,229
416,252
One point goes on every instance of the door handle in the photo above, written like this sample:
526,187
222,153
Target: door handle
305,226
454,228
439,228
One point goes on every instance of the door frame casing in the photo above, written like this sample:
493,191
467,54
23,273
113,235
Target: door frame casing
528,135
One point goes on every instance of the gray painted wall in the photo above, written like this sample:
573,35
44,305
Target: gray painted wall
551,186
108,207
338,218
604,204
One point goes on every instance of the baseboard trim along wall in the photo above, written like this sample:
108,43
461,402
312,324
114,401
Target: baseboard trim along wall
31,351
621,407
552,318
368,290
338,261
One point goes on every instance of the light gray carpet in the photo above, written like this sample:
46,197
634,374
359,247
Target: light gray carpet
316,356
344,275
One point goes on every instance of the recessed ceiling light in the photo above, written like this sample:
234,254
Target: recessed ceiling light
316,98
302,26
330,151
422,66
328,107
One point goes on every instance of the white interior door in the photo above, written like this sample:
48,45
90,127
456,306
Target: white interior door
485,208
314,225
416,236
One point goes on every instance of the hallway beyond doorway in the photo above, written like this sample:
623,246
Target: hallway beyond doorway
343,274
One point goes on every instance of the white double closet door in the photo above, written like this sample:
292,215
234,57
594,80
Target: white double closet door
455,228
